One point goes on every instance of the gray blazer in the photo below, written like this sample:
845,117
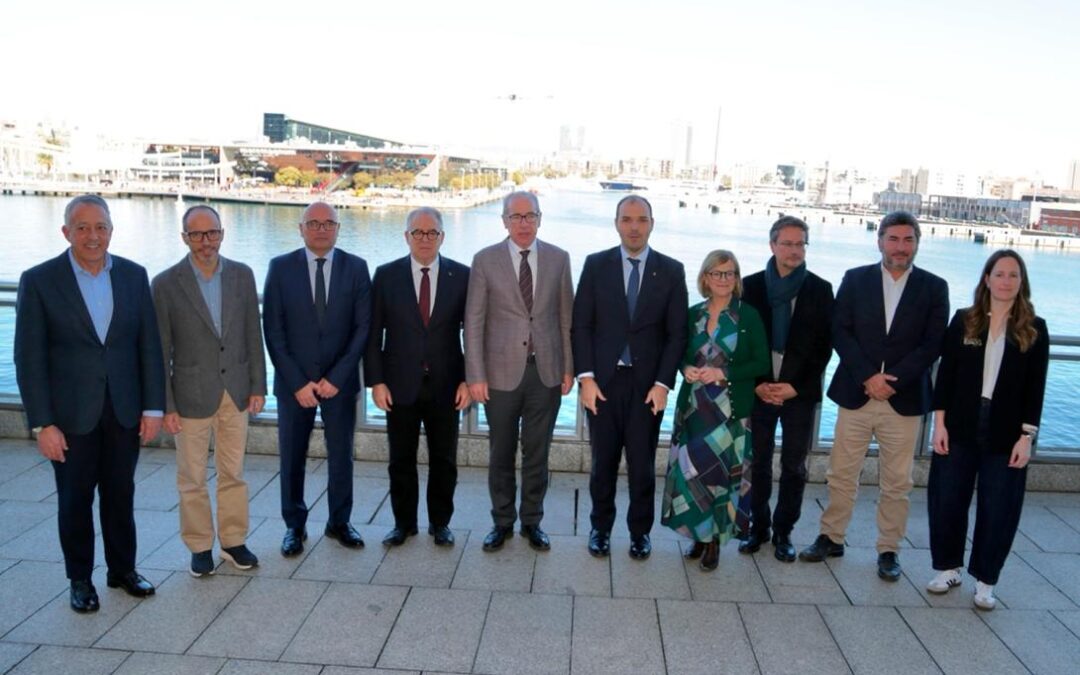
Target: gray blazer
200,365
497,324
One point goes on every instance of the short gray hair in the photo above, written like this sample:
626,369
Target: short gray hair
95,200
421,211
520,193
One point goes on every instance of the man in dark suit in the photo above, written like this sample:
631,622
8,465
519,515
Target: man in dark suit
626,354
796,308
416,371
316,314
215,376
88,363
888,322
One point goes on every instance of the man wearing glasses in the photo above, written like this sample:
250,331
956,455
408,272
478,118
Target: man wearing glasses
215,375
518,362
416,371
796,307
316,313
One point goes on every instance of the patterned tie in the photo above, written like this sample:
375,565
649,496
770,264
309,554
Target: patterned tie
425,296
320,290
631,302
525,284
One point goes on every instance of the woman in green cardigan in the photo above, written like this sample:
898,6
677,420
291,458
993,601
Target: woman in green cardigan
707,492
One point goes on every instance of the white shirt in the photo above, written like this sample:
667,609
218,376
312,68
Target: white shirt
433,278
992,355
313,265
893,289
515,260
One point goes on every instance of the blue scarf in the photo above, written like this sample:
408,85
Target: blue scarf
781,291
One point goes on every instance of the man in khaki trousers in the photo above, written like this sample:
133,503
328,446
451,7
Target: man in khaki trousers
888,322
215,376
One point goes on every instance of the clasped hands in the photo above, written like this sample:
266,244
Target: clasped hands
308,396
878,386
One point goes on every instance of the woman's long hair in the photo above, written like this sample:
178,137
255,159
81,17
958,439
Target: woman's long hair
1020,326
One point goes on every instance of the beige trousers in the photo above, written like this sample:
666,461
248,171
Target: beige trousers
896,436
229,426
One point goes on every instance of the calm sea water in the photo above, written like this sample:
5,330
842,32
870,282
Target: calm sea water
147,231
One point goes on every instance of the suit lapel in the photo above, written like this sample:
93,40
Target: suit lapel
444,292
404,291
907,299
190,288
230,293
68,288
506,268
649,284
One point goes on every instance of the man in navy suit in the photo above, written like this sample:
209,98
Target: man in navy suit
626,353
89,367
888,324
316,313
416,371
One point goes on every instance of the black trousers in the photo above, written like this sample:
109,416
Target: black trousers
104,459
441,423
294,435
797,418
1000,501
623,421
532,408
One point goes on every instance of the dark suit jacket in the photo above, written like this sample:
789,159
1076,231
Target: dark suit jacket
300,350
907,351
63,369
809,343
602,324
1018,392
399,343
200,364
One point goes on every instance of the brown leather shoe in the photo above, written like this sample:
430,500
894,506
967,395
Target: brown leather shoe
710,559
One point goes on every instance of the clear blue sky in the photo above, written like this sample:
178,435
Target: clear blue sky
968,85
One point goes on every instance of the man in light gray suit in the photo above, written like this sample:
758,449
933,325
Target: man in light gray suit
518,362
215,375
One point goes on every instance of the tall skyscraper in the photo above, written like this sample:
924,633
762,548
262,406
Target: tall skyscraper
1073,182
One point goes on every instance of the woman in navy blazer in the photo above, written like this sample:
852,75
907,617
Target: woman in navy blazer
987,403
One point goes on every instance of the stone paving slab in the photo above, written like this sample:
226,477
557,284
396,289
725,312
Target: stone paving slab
27,587
856,573
1062,570
800,582
34,484
169,664
157,491
959,641
861,634
509,569
806,647
661,576
39,542
1070,619
243,667
692,630
18,517
616,635
1048,530
11,653
1039,640
48,660
569,569
420,563
526,634
327,560
437,629
736,579
1021,587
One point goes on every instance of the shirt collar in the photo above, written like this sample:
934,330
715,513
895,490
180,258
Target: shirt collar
311,257
888,277
198,272
80,270
516,250
640,256
433,268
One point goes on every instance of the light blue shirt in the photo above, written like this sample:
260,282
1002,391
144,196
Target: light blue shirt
96,290
211,292
313,265
627,268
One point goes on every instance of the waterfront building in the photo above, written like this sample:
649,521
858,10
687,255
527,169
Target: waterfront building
279,128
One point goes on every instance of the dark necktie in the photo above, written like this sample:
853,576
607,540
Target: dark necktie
425,296
320,290
525,284
632,286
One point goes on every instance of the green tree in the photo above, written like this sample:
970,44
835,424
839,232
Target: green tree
288,176
308,178
362,180
517,177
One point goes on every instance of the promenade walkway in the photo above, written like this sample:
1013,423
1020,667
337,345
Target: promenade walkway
420,608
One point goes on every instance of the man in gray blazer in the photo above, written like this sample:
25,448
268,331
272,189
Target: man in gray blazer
215,375
518,362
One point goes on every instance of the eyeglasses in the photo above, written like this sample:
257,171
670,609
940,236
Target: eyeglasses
800,245
205,235
719,275
430,235
315,225
516,218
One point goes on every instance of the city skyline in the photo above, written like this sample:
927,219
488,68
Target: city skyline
968,86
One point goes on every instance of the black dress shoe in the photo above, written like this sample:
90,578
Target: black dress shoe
822,548
497,537
345,534
398,535
443,535
710,559
888,566
695,551
538,539
753,542
293,543
599,543
785,550
133,583
640,546
84,596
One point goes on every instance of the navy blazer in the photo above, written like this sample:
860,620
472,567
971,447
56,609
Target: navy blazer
1018,392
301,351
809,343
62,367
602,324
399,344
907,351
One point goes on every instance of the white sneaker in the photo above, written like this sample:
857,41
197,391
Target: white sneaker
945,581
984,596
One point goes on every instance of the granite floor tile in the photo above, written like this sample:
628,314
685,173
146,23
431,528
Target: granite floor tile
32,485
1048,530
661,576
246,667
800,582
11,653
18,517
616,635
919,570
27,587
157,491
859,630
327,560
1062,570
1021,587
569,569
736,578
856,572
423,638
348,626
419,563
342,670
509,569
691,629
169,664
959,642
69,661
526,634
40,542
18,456
265,542
261,620
368,496
1070,619
1039,640
807,646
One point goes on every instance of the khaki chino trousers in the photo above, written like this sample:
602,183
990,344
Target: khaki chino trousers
229,426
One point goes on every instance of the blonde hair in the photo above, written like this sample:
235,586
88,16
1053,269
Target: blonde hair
718,257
